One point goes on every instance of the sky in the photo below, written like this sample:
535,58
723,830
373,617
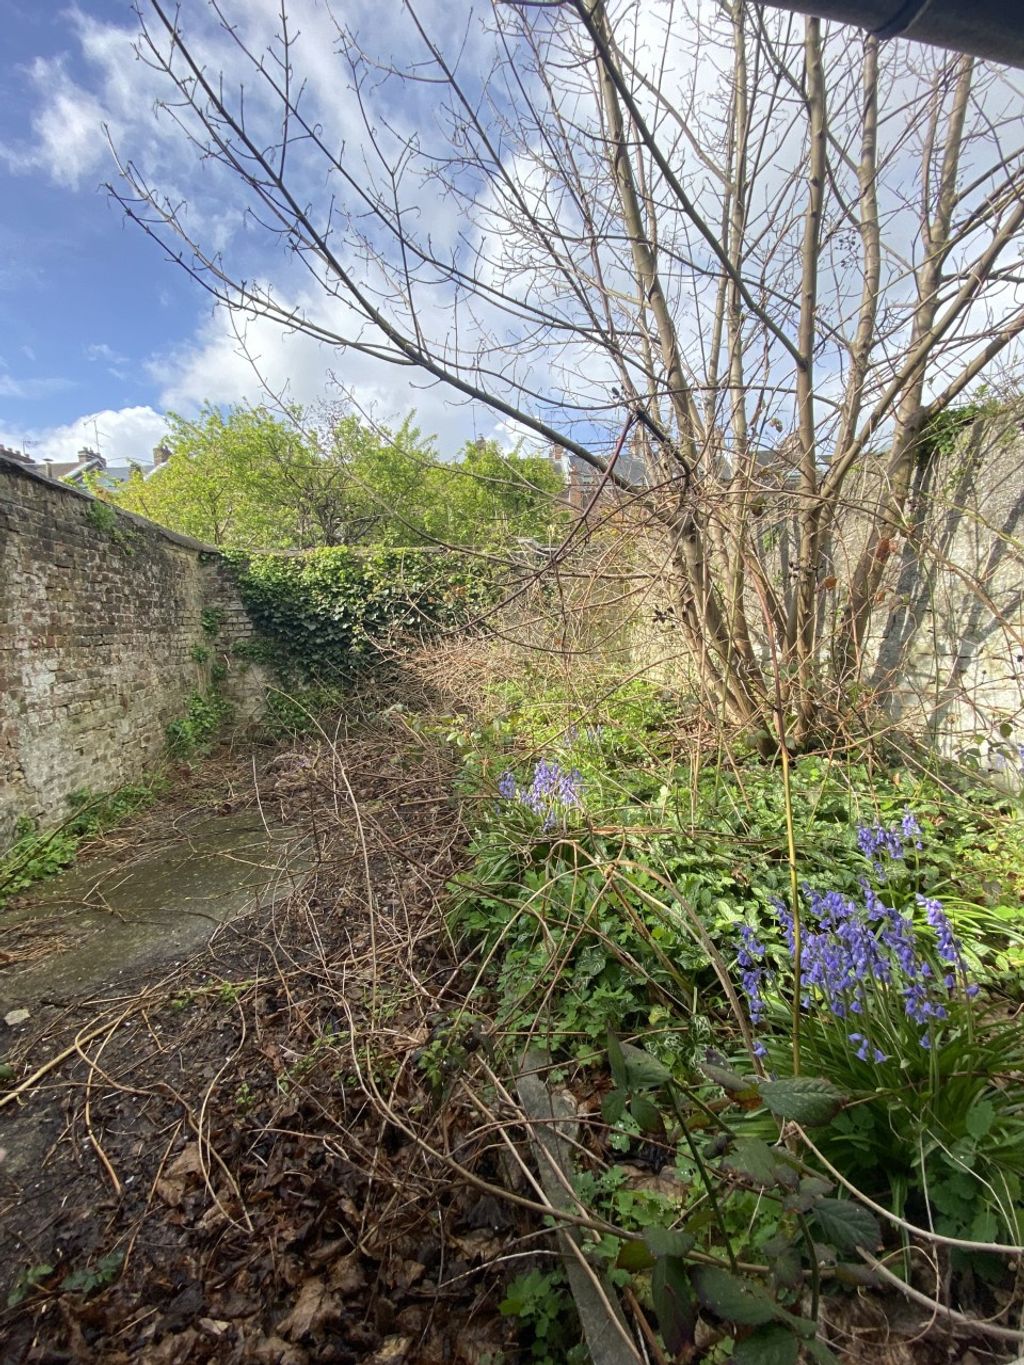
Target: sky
99,334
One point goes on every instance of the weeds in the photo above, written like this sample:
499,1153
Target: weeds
619,890
35,855
194,733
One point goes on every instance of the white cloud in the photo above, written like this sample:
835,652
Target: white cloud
120,434
68,142
31,388
114,362
257,361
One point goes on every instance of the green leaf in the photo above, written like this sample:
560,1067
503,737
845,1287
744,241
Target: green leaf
755,1161
668,1241
810,1190
787,1269
980,1118
647,1115
846,1225
811,1100
613,1106
769,1345
634,1255
673,1303
642,1069
821,1352
730,1081
616,1061
731,1298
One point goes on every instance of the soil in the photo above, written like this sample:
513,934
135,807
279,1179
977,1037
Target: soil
220,1159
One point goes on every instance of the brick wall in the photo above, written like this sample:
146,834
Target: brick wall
100,614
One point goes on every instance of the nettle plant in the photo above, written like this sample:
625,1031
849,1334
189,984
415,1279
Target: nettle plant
888,1009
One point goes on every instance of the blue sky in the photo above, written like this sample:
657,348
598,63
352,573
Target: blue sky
99,335
85,304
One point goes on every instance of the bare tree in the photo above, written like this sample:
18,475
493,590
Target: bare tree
727,260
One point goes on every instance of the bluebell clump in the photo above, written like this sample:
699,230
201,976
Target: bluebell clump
552,793
854,950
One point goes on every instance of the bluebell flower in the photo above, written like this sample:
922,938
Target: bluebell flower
851,948
750,960
910,829
551,794
865,1048
946,943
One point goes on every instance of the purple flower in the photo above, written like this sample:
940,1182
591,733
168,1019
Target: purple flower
946,943
552,792
750,960
865,1048
852,949
910,829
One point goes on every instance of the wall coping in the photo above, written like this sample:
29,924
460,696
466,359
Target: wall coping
14,468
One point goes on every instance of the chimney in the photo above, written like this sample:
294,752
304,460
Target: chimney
161,454
86,454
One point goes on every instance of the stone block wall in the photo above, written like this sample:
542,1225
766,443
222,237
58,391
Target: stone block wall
944,655
101,614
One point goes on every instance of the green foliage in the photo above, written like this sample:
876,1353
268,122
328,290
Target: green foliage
103,517
550,1330
193,733
36,855
323,615
27,1282
210,620
90,1278
290,714
623,918
244,479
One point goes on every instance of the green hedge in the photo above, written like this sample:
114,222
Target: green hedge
324,614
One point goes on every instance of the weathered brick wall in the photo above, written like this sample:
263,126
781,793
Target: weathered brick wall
100,616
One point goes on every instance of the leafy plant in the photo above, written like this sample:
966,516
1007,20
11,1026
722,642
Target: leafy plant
637,890
192,734
549,1327
324,615
35,855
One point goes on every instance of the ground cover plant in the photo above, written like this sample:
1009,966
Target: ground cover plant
786,996
37,854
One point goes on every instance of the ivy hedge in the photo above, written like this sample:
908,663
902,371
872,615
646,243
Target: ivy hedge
324,614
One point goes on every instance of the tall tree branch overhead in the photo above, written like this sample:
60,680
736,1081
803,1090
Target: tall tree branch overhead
775,252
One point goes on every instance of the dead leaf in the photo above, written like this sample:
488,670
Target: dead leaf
314,1308
275,1351
346,1274
393,1349
172,1184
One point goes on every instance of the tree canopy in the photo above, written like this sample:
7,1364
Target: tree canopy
246,479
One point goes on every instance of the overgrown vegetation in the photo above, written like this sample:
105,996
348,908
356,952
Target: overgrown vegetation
245,479
192,734
35,855
325,615
791,991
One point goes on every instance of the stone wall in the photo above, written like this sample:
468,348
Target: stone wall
101,637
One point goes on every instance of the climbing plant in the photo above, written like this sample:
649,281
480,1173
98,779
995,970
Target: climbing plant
325,614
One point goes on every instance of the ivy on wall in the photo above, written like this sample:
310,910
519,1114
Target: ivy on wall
324,613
